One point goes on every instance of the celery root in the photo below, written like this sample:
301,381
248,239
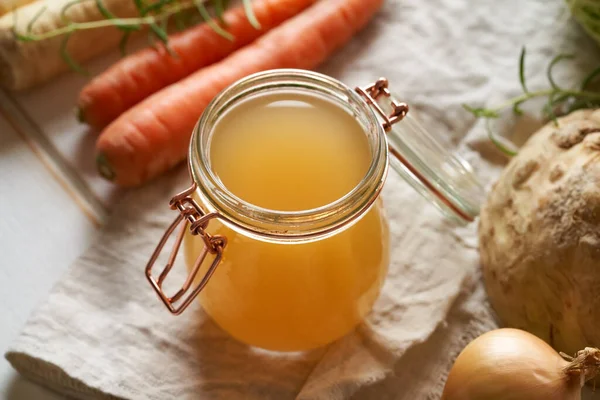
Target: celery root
539,235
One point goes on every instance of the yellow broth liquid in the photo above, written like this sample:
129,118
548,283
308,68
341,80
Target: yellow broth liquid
293,152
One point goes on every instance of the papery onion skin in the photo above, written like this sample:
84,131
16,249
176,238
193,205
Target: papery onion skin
510,364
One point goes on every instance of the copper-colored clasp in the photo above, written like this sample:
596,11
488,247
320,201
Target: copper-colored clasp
196,220
399,110
373,92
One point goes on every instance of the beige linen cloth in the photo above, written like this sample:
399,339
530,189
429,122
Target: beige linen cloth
102,333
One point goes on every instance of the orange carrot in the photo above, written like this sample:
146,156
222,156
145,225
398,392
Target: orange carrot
154,135
141,74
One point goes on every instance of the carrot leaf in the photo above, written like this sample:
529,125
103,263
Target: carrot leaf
123,43
160,33
65,8
179,22
155,7
108,15
522,70
555,61
19,36
68,59
210,21
590,78
559,101
152,14
481,112
219,6
164,27
517,107
35,18
549,108
507,147
151,39
250,14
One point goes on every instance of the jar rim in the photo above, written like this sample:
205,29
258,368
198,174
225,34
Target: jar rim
288,226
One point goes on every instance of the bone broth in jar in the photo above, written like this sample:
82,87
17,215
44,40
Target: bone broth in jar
283,229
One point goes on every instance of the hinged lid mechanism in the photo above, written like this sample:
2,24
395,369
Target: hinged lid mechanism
442,177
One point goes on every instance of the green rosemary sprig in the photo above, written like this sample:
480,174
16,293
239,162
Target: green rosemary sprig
560,101
154,14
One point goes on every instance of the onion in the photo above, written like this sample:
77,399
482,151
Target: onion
511,364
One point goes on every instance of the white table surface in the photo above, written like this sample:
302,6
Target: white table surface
51,205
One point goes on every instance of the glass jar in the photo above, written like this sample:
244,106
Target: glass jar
296,280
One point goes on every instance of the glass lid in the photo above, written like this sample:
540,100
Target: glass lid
441,176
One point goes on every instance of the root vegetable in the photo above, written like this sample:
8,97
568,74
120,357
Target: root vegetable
10,5
154,135
26,64
139,75
539,235
511,364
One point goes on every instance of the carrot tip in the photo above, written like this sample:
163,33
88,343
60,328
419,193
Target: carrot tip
104,168
80,114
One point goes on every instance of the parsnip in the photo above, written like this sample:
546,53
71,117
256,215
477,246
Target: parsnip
26,64
9,5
